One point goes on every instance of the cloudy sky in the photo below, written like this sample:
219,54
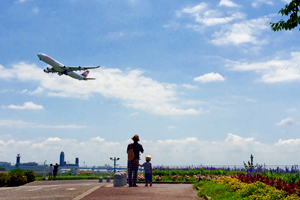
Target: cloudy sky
201,82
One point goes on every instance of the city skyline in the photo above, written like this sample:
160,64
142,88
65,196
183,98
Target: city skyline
201,82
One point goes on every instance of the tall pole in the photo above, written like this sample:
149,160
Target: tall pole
115,163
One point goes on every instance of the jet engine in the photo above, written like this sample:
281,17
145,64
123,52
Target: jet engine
48,70
66,68
80,68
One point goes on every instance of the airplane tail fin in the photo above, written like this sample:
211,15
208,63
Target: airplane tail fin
86,73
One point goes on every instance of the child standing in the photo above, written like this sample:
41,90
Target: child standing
50,172
148,170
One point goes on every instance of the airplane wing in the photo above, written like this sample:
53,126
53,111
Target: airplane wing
81,68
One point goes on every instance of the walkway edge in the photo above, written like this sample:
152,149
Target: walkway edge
87,193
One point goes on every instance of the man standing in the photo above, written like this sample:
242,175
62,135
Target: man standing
132,165
55,171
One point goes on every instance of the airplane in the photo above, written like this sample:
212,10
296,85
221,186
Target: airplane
61,69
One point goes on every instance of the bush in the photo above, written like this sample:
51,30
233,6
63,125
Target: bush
16,177
3,178
29,175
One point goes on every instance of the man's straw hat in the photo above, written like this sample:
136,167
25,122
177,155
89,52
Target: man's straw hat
135,138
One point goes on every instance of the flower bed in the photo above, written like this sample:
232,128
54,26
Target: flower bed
179,178
278,183
232,188
284,183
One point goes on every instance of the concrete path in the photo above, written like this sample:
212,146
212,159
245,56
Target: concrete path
92,189
157,191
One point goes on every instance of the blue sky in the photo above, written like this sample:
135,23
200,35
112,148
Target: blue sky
201,82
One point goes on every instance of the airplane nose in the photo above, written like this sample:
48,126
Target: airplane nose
39,55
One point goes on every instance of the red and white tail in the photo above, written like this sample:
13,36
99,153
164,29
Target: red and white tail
86,73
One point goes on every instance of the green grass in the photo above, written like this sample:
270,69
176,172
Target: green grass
75,177
216,191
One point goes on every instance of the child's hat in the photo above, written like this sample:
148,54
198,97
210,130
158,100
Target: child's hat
148,158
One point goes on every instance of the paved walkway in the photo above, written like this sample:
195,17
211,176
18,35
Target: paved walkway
92,189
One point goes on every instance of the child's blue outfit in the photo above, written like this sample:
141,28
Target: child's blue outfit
147,167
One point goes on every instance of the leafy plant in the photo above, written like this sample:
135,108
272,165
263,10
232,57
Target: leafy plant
3,178
29,175
291,9
16,177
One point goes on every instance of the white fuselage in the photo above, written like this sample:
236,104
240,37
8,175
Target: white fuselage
60,68
55,64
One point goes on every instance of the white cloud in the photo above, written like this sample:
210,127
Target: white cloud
130,87
210,77
23,124
247,99
172,25
232,150
98,139
13,123
273,71
115,35
203,15
256,3
172,127
227,3
133,2
290,142
39,90
26,106
193,102
287,121
5,73
244,32
60,126
53,139
35,10
232,26
195,27
196,9
23,1
187,86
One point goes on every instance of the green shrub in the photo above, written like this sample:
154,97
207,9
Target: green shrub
29,175
16,177
3,178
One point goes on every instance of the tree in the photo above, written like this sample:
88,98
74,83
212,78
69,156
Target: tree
291,9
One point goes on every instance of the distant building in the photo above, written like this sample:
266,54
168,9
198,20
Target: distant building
18,163
26,166
62,159
5,166
63,163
